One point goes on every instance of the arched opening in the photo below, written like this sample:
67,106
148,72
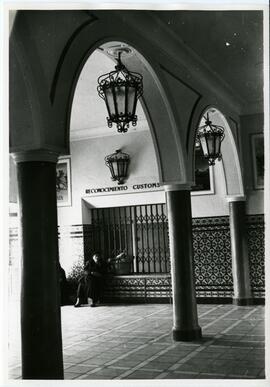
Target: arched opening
161,122
230,153
221,180
90,141
211,234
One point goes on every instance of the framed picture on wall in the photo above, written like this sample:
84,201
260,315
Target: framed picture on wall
63,182
257,147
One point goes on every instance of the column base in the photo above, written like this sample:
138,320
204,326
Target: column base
243,301
187,334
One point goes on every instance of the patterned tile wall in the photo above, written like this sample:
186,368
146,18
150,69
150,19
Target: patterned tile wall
212,258
255,237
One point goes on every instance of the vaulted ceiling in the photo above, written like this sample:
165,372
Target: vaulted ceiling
229,44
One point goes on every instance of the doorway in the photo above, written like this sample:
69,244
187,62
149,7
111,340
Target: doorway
141,230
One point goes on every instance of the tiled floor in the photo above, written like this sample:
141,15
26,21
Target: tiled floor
134,342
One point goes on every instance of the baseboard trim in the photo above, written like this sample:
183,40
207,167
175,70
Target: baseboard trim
168,300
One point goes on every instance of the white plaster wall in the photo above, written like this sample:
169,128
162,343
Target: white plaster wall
213,204
255,202
250,125
88,170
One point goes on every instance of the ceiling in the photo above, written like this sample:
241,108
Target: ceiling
229,43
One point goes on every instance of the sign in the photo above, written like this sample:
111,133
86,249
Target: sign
122,188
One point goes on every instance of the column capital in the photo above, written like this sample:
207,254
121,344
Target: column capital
177,187
35,155
236,198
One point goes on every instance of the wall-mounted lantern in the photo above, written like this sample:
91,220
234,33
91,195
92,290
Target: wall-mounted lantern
120,90
210,137
118,164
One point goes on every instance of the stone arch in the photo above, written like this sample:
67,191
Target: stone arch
56,73
170,153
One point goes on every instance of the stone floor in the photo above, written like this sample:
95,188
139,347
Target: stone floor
134,342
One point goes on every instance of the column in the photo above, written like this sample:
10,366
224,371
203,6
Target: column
240,262
40,302
185,319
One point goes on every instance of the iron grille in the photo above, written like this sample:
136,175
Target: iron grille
141,230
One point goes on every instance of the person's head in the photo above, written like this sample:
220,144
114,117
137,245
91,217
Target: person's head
96,257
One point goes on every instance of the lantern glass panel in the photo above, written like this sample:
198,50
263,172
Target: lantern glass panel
218,144
126,167
210,138
131,100
122,168
111,170
204,146
115,168
120,92
110,101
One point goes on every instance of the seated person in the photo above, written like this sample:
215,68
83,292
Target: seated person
91,284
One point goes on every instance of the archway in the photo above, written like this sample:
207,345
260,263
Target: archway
230,174
168,148
231,163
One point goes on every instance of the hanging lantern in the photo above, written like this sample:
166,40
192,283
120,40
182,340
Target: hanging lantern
210,137
118,164
201,164
120,90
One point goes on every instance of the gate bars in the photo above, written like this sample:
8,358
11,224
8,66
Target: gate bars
142,231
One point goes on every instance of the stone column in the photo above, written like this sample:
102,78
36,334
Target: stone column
40,300
240,263
185,319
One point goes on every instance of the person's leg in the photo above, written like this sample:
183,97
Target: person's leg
93,286
100,287
97,291
80,295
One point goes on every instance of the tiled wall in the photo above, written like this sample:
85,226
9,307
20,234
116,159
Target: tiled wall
255,237
212,258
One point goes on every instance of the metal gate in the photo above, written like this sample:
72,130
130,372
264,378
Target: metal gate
142,231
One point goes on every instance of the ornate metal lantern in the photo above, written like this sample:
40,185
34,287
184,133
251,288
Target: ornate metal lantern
120,90
210,137
118,163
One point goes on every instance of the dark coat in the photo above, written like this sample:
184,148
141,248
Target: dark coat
91,285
